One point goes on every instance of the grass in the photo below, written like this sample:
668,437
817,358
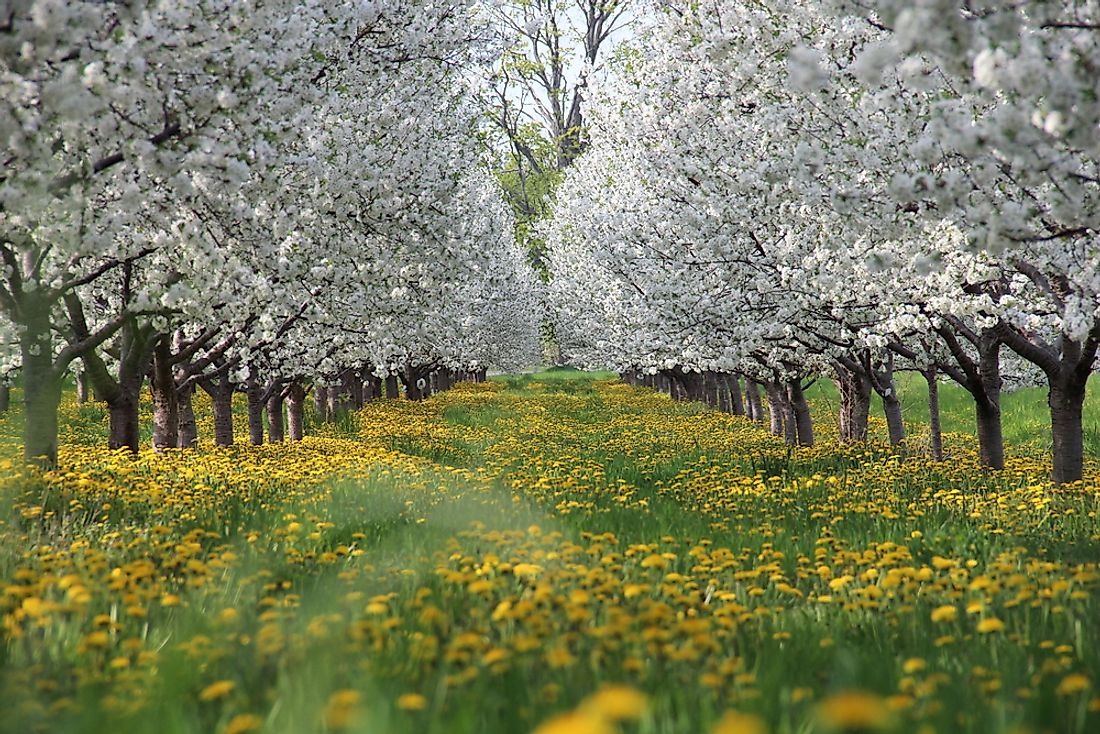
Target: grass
495,558
1025,416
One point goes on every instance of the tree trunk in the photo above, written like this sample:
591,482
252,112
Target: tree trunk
882,380
5,398
723,393
416,383
125,427
775,408
41,390
275,429
221,395
855,403
692,384
934,414
320,401
393,391
166,413
81,387
295,411
752,400
1066,399
255,395
733,385
482,374
800,409
355,389
188,434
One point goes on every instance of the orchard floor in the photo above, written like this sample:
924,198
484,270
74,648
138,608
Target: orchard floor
567,555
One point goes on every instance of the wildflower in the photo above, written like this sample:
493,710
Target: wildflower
575,722
1073,683
412,702
617,703
945,613
854,710
217,690
735,722
990,624
242,723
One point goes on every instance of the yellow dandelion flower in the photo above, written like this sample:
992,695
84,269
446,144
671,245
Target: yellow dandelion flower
242,723
575,722
990,624
1073,683
735,722
412,702
946,613
617,703
854,710
217,690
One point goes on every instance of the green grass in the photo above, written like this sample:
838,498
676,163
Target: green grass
1025,416
535,469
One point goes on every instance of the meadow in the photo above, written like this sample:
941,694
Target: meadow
553,554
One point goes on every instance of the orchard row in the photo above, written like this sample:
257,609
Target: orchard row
779,190
247,196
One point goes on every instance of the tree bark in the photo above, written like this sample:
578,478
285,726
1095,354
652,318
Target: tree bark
934,429
188,433
125,427
42,388
775,408
855,402
255,395
5,398
1066,399
733,385
416,383
275,426
166,413
882,380
320,401
295,410
692,384
82,387
800,409
221,395
752,400
393,391
723,393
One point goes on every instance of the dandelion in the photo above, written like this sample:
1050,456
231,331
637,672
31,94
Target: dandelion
735,722
412,702
854,710
217,690
617,703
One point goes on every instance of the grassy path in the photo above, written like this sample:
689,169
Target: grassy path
576,555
